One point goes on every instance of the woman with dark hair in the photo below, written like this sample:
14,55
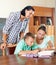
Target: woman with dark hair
43,41
15,26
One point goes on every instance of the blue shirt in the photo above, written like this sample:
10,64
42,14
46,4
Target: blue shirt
22,46
14,26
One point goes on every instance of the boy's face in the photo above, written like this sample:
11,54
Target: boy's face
29,41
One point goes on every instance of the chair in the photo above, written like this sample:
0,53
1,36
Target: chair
11,49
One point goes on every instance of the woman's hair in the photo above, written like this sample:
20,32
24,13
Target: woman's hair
42,27
29,35
27,8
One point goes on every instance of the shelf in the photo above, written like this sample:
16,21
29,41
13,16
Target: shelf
42,15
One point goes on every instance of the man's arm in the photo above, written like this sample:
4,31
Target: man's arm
6,28
5,38
4,41
21,35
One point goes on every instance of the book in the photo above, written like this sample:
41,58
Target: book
46,53
42,54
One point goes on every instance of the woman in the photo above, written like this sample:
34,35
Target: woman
43,41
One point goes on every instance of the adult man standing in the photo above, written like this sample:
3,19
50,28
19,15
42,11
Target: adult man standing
15,26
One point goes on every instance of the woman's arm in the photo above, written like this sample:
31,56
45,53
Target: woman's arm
50,46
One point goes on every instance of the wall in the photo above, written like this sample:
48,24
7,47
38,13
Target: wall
7,6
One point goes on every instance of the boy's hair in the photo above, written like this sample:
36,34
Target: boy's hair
29,35
27,8
42,27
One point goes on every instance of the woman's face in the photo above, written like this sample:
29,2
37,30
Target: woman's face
40,34
28,13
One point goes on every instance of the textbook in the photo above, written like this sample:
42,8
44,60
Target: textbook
46,53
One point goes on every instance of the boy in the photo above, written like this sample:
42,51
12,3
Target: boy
26,45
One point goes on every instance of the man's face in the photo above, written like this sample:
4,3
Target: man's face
29,41
29,13
40,34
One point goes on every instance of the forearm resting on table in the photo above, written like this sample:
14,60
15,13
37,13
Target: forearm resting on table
50,46
29,52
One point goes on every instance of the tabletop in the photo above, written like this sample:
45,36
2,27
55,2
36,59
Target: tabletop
20,60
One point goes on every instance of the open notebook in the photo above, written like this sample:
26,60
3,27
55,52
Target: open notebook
46,53
43,54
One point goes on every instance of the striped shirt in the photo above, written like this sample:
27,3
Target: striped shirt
14,26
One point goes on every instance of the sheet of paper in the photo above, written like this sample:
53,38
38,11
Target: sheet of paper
30,55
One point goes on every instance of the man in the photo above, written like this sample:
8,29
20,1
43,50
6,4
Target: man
15,26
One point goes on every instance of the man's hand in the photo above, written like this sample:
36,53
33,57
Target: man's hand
3,46
21,35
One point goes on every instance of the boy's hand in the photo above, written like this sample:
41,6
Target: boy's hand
36,51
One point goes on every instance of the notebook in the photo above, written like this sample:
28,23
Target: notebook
46,53
43,54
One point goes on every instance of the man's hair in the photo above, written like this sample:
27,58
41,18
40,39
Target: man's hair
29,35
27,8
42,28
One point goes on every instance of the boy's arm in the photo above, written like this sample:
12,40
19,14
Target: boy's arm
29,52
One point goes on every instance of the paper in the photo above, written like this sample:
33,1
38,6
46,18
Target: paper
30,55
42,54
45,53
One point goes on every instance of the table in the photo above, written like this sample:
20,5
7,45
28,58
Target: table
19,60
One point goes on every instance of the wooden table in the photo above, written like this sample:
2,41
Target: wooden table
19,60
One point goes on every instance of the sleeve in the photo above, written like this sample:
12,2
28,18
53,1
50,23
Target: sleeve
9,23
19,47
35,46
